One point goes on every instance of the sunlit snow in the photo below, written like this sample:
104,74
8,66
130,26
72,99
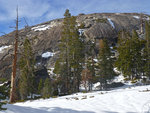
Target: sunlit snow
148,18
81,31
47,54
2,48
127,99
3,83
45,27
41,28
111,23
50,71
137,17
96,60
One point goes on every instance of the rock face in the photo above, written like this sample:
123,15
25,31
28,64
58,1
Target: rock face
47,36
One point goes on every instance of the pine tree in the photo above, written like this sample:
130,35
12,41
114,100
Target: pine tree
147,50
105,64
60,71
65,72
69,64
129,58
91,68
3,95
26,65
40,86
135,55
77,55
47,89
123,53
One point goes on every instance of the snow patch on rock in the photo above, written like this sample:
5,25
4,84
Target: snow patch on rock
148,18
137,17
95,59
47,54
50,71
45,27
2,48
41,28
4,83
81,31
111,23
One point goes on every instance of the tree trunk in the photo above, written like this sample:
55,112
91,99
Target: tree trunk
14,67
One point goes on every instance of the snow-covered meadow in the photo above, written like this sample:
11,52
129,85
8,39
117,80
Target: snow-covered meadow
126,99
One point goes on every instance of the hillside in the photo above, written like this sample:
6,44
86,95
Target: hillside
126,99
47,36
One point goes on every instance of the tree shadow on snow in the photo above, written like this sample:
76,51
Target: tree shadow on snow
21,109
63,110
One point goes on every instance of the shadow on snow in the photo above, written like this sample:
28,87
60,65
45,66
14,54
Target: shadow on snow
21,109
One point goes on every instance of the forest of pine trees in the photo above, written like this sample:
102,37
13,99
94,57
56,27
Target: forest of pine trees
133,55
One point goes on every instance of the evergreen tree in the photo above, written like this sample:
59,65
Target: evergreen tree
77,55
123,53
69,64
60,71
135,55
90,52
3,95
105,64
40,86
91,68
65,52
129,58
47,89
147,50
26,65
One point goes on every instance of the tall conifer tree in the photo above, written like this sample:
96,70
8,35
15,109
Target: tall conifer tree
40,86
106,72
69,64
47,89
135,55
26,65
147,50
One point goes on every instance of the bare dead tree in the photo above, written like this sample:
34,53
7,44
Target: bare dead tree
14,66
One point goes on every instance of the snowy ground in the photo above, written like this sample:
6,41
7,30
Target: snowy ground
121,100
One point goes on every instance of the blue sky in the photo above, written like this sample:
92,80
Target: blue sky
37,11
